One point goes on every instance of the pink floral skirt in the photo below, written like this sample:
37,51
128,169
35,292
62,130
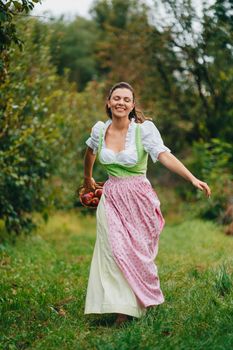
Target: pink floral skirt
134,225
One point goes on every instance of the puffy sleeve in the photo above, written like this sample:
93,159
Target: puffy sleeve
93,140
152,140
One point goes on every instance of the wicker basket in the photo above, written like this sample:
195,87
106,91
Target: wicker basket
82,190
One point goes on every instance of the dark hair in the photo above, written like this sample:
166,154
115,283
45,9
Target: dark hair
135,113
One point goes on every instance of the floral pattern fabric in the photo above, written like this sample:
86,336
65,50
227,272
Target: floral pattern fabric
134,224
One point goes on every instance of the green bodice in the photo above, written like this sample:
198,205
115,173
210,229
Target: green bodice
115,169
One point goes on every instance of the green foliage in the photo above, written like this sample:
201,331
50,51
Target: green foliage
30,132
32,124
180,64
123,28
44,123
72,46
213,162
9,10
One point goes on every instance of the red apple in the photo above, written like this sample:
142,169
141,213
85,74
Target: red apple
94,202
98,192
87,197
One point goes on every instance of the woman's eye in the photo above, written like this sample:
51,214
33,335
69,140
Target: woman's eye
117,98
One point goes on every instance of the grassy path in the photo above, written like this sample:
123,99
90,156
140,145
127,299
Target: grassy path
44,277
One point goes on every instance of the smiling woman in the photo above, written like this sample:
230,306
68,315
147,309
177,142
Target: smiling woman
123,276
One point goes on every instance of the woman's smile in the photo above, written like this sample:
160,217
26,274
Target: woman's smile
120,108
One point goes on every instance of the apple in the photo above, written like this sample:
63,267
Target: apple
94,202
98,192
87,197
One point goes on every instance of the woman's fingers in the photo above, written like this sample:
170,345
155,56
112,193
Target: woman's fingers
207,189
87,190
203,187
98,186
89,184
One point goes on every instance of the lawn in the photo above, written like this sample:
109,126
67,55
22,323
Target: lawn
44,278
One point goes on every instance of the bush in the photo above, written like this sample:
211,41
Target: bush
44,123
213,161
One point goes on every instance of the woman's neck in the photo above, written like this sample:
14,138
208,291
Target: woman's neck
120,123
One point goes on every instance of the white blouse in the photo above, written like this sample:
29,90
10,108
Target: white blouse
151,140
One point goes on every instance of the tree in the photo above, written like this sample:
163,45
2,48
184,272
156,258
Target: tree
203,46
72,46
43,128
9,12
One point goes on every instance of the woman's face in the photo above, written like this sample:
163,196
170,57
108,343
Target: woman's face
121,102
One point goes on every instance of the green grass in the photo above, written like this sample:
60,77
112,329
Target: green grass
44,278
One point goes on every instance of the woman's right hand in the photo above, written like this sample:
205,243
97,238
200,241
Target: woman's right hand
89,184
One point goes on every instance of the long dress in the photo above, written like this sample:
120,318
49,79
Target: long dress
123,276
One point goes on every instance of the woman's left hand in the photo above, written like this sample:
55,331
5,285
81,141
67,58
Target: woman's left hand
175,165
202,186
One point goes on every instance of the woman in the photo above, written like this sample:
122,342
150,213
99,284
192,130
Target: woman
123,276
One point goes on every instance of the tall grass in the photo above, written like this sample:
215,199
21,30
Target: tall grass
44,279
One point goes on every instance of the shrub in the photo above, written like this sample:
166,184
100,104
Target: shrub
213,161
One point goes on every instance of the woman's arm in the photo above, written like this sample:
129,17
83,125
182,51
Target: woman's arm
173,164
89,160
